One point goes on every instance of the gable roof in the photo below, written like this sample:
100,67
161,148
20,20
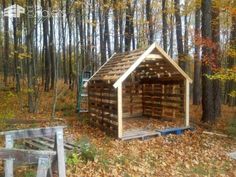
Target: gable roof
120,66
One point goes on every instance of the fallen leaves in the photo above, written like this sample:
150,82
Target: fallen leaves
191,154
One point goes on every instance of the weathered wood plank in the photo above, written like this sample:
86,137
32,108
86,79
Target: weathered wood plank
22,156
9,143
43,166
33,133
60,153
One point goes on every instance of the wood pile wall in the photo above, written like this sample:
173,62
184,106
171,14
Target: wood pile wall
102,98
132,99
164,99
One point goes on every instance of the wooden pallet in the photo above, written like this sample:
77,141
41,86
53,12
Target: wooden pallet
177,130
146,134
139,134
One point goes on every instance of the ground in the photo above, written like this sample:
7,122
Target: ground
191,154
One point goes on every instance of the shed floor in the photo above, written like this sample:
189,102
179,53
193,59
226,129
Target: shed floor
145,127
150,123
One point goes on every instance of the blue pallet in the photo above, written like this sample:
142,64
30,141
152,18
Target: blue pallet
177,131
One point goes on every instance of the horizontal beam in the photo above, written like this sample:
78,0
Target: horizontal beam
154,56
33,133
21,156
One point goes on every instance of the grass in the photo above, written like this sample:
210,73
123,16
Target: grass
231,128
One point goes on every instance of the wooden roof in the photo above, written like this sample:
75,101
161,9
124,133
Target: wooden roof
121,65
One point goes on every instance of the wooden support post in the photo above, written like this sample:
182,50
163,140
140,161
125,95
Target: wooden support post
187,103
9,162
120,112
43,166
60,153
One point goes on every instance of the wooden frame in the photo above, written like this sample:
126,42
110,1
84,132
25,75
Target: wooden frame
120,112
142,57
187,95
109,93
31,156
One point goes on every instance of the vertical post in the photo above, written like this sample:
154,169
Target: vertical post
60,153
43,165
187,103
9,162
120,112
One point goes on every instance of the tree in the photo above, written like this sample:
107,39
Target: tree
106,31
46,54
94,34
207,84
116,26
179,35
6,47
164,24
63,31
150,21
129,25
51,48
121,14
31,75
171,50
102,40
70,43
230,85
16,62
197,62
215,24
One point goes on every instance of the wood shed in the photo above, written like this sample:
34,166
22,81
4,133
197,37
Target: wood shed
144,84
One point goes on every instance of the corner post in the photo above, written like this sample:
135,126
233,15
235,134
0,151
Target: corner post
9,143
120,111
60,153
187,102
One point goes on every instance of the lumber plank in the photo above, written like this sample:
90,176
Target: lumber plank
22,156
33,133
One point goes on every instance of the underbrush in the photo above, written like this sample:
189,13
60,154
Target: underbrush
87,152
231,128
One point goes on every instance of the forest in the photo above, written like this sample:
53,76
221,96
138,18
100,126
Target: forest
48,46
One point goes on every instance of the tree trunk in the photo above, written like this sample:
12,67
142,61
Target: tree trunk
129,25
106,31
231,61
116,26
171,50
82,36
197,61
70,43
102,40
216,56
208,114
94,22
179,35
6,47
63,31
150,21
55,94
51,48
121,12
30,62
186,25
46,53
164,25
16,62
